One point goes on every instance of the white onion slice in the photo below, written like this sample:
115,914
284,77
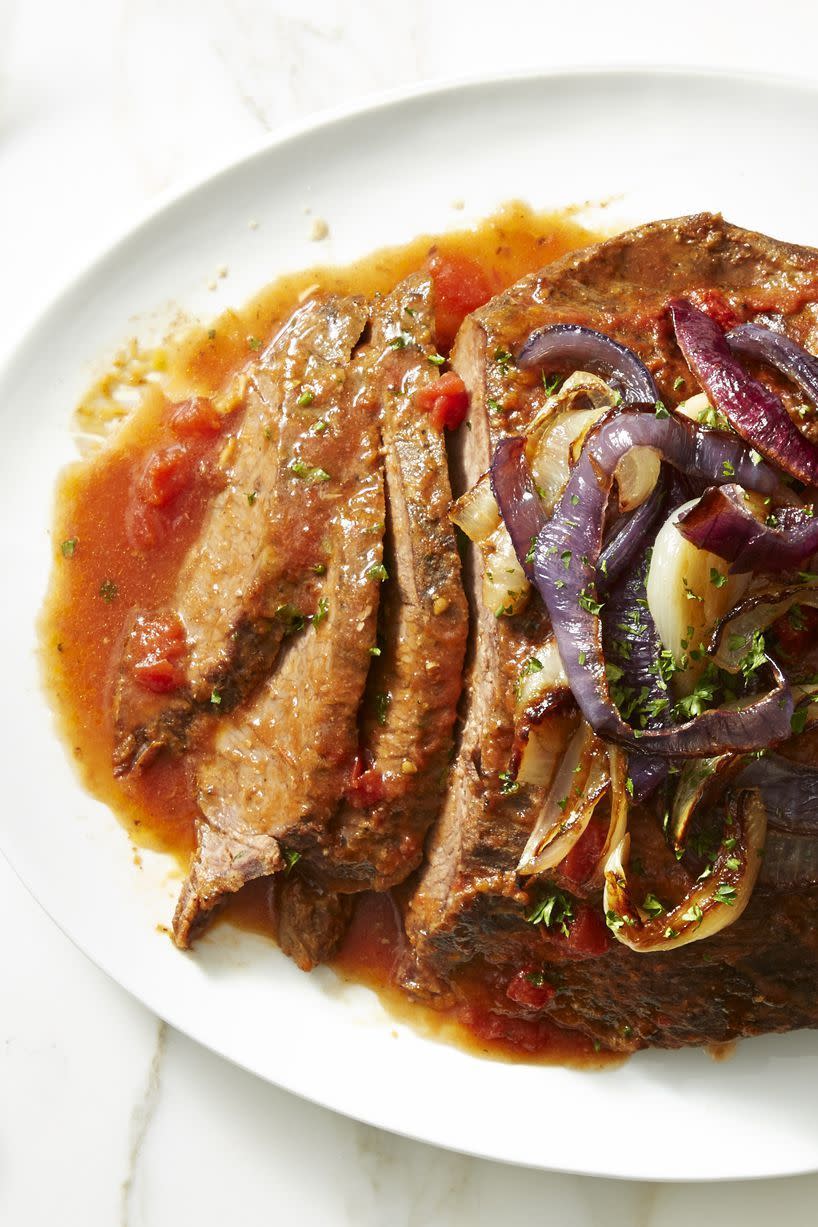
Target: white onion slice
476,511
505,587
689,591
541,673
711,904
582,779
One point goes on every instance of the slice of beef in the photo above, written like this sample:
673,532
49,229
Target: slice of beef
377,837
252,573
468,915
281,761
310,921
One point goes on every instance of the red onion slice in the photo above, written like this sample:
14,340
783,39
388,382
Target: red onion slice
565,561
722,523
786,355
753,411
519,503
561,346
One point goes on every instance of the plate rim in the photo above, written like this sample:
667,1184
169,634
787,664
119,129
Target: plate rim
67,283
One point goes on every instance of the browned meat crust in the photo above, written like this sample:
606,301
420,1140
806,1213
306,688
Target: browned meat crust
415,682
280,762
253,564
758,975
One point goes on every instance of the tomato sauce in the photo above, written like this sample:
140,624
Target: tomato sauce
126,516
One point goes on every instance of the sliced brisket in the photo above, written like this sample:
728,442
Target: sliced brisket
376,839
252,572
469,910
281,761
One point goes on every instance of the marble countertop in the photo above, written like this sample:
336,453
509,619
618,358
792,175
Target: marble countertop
106,1115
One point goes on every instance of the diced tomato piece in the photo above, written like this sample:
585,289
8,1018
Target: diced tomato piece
446,401
797,630
195,418
366,786
166,475
526,1034
159,643
714,304
461,286
583,858
529,989
588,935
146,526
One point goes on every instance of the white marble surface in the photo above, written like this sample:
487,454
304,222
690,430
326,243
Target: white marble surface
106,1116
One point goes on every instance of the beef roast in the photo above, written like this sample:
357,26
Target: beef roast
468,915
376,839
280,762
252,572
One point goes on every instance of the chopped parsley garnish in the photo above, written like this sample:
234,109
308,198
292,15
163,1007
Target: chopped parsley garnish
494,406
292,618
652,906
755,656
108,591
254,342
374,651
587,602
693,915
799,720
291,857
69,547
319,569
613,920
725,893
321,612
755,457
306,398
252,496
574,500
382,701
678,382
712,418
660,410
398,342
378,571
551,384
215,698
435,359
717,579
508,785
308,472
555,910
532,665
503,359
319,427
727,468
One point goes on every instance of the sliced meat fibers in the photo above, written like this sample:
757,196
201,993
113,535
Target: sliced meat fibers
280,761
376,839
253,571
470,906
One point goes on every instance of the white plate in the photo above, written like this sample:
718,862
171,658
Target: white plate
660,145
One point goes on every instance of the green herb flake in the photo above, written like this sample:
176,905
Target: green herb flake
660,410
435,359
587,602
728,468
798,722
306,398
378,571
494,406
652,906
508,785
254,343
292,618
717,578
554,910
291,857
678,382
382,702
574,500
694,915
398,342
374,651
251,497
215,698
68,548
321,612
629,786
503,359
725,893
108,591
